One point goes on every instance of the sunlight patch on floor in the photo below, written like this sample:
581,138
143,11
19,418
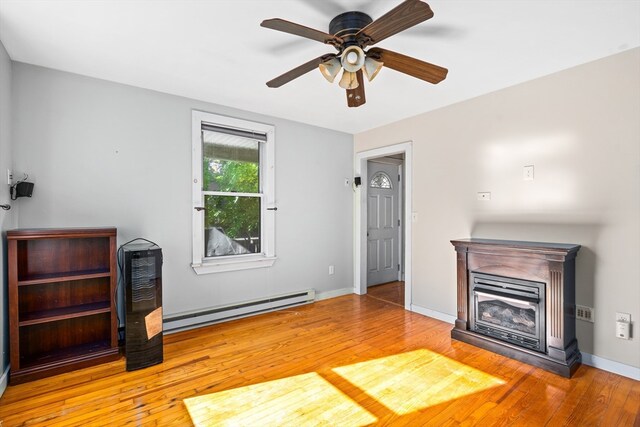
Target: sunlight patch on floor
411,381
298,401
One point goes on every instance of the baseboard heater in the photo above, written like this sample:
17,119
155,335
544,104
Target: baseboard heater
196,319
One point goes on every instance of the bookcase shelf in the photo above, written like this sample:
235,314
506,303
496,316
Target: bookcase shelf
61,310
55,314
44,362
62,277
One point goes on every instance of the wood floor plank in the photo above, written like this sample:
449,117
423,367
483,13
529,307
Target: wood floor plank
592,407
379,341
392,292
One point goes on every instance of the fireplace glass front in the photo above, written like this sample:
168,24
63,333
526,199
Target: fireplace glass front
508,309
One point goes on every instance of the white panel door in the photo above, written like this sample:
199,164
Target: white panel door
382,223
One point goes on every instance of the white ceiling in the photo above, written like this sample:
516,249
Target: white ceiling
216,51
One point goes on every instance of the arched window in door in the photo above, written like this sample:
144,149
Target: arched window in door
380,180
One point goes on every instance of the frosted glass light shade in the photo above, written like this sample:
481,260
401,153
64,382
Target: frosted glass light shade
352,58
349,80
372,68
330,69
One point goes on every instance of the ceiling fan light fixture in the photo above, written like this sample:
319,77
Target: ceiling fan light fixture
372,68
349,80
350,33
330,69
353,58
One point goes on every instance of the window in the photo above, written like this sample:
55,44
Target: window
380,180
233,194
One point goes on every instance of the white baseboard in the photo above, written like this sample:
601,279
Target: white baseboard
432,313
4,380
611,366
333,294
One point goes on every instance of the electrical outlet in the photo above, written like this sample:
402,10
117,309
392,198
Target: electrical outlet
623,317
9,177
584,313
527,174
484,195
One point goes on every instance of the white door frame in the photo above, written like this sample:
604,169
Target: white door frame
360,220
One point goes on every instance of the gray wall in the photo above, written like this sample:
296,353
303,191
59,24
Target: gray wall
580,128
106,154
7,218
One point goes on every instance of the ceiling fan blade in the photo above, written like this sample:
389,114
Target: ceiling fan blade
355,97
300,70
302,31
403,16
408,65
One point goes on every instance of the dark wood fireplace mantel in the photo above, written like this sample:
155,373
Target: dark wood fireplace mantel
549,263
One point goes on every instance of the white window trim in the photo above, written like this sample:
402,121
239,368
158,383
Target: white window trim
201,264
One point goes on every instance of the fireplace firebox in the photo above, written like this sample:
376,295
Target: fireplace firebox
508,309
518,299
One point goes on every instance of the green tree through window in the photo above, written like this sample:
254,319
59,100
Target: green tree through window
231,166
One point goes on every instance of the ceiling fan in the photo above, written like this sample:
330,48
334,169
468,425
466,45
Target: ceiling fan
353,32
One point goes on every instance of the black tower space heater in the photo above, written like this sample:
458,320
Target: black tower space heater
143,296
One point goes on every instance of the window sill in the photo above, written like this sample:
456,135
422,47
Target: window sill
222,265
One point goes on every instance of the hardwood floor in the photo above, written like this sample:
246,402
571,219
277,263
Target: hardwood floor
392,292
345,361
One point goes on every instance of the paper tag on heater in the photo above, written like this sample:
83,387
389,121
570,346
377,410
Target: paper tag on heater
153,323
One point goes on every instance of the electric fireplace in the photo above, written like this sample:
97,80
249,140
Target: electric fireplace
518,299
508,309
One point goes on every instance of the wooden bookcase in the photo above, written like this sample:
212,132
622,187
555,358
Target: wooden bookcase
62,314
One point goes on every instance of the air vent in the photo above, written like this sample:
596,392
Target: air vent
584,313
